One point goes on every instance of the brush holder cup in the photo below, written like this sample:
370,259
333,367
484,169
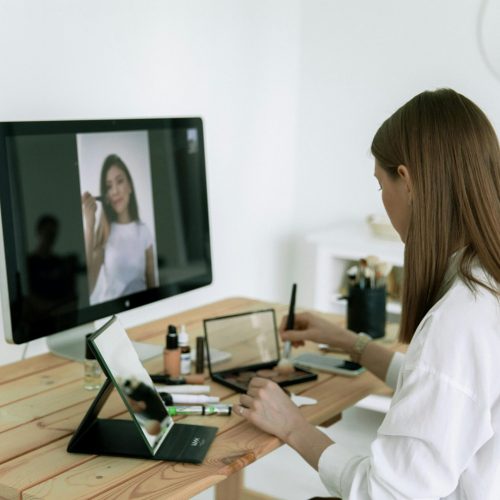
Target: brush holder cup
366,310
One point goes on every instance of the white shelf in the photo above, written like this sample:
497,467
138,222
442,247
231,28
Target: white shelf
324,256
355,240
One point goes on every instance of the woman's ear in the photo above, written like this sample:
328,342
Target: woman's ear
404,175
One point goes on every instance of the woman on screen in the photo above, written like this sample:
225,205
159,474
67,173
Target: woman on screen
437,160
120,259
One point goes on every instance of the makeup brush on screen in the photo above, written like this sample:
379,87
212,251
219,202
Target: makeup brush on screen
285,364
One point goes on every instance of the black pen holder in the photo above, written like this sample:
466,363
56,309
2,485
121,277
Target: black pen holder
366,310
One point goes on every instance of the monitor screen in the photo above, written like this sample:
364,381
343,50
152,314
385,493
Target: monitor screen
99,217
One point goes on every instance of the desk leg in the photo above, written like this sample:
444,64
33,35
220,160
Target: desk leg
230,487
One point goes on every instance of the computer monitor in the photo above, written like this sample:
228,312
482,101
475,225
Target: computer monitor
98,217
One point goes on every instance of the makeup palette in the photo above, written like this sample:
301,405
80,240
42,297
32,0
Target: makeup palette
250,341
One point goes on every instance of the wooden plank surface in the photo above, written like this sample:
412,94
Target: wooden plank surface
52,427
155,331
42,401
29,366
40,382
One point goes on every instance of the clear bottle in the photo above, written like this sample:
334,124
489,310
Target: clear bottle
172,353
185,351
92,375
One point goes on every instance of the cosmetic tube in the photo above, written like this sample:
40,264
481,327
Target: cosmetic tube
188,379
187,399
200,410
185,389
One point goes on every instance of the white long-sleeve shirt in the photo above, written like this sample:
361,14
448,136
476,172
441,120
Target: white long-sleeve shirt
441,436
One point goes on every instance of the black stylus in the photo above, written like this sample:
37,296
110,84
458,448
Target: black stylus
290,322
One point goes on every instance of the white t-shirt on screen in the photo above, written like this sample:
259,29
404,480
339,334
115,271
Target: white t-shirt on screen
124,268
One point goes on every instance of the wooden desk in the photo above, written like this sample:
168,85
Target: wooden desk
42,401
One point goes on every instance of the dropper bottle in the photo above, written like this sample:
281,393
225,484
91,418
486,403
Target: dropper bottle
185,351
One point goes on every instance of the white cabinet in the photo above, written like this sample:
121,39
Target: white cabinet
324,257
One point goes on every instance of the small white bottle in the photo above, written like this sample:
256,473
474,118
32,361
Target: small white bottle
92,369
185,351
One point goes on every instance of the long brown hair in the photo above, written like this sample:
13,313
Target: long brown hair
108,215
453,156
115,161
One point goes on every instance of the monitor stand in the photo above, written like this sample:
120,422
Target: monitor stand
71,344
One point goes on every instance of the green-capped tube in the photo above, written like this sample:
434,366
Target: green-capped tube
219,409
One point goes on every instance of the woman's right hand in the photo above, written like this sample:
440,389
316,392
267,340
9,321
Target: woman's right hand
311,327
89,206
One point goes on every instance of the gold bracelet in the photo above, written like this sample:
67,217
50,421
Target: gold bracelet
359,346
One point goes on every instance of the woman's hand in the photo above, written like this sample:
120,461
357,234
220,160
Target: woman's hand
269,408
311,327
94,243
89,206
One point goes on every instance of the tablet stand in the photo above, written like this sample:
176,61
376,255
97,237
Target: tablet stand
97,436
127,438
105,436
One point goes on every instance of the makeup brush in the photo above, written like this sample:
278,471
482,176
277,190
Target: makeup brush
352,272
362,273
371,262
285,364
382,270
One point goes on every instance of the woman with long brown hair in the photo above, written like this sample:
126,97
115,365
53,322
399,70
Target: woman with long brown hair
119,253
437,161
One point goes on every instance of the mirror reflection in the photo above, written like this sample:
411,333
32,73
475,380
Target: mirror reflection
133,382
248,338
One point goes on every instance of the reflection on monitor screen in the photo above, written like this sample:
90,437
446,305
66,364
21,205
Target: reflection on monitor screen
119,359
98,217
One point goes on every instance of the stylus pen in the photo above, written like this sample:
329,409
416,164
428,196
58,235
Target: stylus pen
187,399
287,347
200,410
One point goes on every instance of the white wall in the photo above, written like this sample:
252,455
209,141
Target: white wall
235,64
361,60
291,92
